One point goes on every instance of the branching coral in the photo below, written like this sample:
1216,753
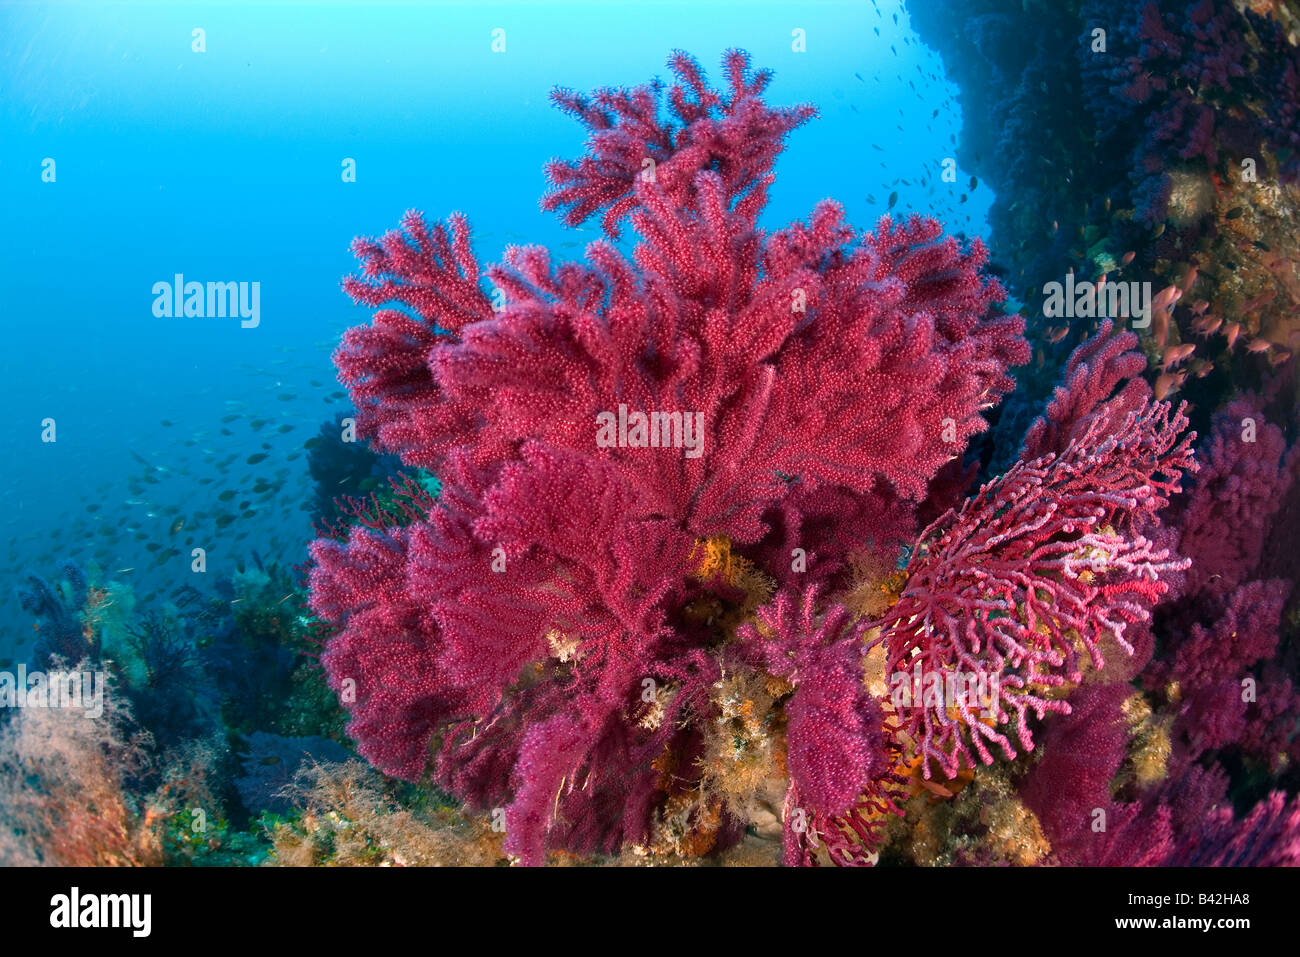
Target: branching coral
832,374
1039,569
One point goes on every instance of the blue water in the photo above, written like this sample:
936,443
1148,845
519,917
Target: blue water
226,165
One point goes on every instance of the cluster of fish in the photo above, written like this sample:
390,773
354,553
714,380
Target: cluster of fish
1178,361
942,199
235,488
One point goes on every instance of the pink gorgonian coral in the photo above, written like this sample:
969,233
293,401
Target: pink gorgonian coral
1044,568
552,635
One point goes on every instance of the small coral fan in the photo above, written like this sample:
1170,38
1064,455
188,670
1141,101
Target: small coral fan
1039,569
626,620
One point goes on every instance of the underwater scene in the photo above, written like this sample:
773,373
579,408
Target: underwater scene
648,434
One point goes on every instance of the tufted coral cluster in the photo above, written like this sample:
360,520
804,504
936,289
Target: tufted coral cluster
705,568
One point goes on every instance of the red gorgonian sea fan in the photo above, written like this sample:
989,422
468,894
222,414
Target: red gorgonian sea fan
558,635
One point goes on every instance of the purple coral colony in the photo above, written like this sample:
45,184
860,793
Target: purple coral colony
822,545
